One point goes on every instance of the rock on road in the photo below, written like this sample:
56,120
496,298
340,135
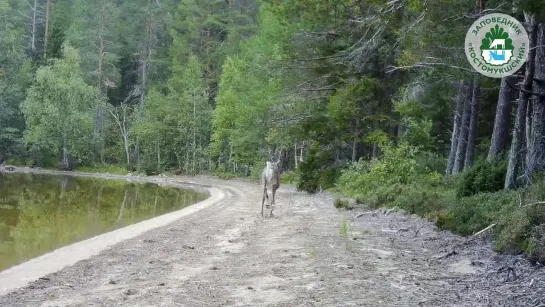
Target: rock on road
228,255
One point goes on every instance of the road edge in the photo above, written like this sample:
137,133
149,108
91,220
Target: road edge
21,275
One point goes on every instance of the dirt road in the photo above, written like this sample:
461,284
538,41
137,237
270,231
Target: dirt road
227,255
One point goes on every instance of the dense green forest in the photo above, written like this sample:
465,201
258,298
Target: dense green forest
372,98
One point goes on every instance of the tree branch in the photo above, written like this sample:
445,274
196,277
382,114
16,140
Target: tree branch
319,58
426,65
525,90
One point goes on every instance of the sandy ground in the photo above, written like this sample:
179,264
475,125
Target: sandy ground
228,255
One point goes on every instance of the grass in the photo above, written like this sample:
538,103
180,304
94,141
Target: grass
344,231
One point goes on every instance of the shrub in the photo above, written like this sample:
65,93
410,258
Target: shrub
379,179
482,177
317,171
472,214
535,248
288,177
430,162
342,204
257,168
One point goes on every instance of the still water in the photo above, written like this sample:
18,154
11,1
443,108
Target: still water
40,213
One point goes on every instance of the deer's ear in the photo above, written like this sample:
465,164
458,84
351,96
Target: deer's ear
268,164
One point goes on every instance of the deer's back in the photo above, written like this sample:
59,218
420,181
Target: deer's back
270,176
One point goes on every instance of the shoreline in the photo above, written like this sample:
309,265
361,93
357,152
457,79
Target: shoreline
22,274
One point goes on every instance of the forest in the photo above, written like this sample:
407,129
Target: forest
372,99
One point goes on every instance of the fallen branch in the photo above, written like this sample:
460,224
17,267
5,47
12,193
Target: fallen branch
484,230
395,230
362,214
534,204
390,210
418,231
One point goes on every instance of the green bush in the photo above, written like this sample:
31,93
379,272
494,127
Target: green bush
472,214
462,205
420,199
257,168
375,180
317,171
430,162
288,177
342,204
482,177
535,248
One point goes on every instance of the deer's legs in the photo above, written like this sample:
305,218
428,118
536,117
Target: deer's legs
273,194
267,197
263,200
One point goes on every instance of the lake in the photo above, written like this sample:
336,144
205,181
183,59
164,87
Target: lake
40,213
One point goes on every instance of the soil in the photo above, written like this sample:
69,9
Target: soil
307,254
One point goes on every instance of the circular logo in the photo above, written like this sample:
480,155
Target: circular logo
497,45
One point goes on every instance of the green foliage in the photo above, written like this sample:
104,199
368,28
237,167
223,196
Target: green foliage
316,173
342,204
396,166
246,98
59,108
535,248
289,177
482,177
175,128
427,161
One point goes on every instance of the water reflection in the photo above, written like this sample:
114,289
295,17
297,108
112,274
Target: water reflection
39,213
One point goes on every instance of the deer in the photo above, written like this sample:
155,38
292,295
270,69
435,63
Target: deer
270,177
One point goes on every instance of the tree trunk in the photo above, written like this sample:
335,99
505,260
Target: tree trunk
194,131
301,155
464,129
34,27
158,149
475,101
520,122
65,165
146,59
295,152
121,209
501,122
375,151
457,122
46,33
127,152
528,131
536,144
355,142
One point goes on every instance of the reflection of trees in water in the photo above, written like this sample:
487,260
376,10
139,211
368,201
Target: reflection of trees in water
122,208
55,211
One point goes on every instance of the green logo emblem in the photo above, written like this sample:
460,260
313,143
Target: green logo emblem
496,45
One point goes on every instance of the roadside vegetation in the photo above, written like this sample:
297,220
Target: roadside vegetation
373,99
